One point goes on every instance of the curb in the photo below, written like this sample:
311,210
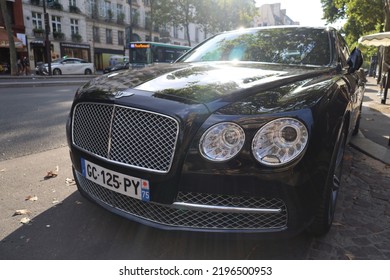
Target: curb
370,148
42,83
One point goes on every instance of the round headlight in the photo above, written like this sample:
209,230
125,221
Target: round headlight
279,141
222,141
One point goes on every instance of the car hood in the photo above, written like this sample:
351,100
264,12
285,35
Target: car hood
199,83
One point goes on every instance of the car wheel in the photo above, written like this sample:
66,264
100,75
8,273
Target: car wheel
57,71
88,72
325,215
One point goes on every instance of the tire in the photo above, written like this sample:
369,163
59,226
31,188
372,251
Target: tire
87,72
325,214
57,71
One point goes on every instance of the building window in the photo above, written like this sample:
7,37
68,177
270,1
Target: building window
135,18
120,15
37,20
72,3
107,9
121,38
74,26
119,9
93,9
108,36
197,34
175,32
148,21
96,34
56,23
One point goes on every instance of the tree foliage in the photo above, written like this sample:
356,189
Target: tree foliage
222,15
212,15
174,13
362,17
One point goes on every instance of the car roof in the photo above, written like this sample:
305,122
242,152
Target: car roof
280,27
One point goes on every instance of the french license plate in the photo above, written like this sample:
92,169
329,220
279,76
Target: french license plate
114,181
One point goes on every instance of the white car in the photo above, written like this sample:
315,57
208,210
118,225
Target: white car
69,66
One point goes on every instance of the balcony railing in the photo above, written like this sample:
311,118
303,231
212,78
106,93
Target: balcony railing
74,9
39,32
59,36
77,37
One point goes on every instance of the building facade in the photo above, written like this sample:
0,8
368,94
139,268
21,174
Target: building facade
94,29
271,15
15,12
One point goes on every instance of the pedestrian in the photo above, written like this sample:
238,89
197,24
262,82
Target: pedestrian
26,66
20,67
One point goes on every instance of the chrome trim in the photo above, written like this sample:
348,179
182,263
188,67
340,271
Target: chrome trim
225,209
110,132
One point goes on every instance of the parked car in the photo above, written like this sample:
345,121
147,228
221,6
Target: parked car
67,65
244,133
116,67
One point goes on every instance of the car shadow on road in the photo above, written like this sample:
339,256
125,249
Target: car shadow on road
78,229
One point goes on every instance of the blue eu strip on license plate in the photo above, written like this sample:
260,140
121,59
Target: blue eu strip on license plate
127,185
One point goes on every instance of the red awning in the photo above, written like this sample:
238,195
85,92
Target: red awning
4,42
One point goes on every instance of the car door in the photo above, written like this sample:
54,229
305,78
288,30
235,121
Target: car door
67,66
354,79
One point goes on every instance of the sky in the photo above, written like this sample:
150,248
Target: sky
307,12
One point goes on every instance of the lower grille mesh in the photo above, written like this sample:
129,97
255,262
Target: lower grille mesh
170,216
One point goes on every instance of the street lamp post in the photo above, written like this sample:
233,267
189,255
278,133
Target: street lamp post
131,18
47,31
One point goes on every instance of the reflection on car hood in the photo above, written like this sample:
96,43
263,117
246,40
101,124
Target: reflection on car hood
200,82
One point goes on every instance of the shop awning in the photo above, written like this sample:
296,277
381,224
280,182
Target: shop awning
4,42
377,39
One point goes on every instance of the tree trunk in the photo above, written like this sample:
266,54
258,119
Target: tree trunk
151,21
188,34
385,63
8,27
386,55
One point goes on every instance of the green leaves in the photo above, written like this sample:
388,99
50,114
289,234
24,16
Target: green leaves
362,16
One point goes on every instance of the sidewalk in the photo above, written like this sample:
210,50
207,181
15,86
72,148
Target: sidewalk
374,134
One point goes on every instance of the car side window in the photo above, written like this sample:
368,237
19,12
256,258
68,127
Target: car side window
343,51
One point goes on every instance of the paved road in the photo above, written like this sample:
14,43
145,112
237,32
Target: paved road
32,119
361,229
64,225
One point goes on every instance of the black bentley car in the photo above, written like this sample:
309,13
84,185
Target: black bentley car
244,133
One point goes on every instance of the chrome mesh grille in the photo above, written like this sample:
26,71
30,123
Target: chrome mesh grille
170,216
140,139
91,128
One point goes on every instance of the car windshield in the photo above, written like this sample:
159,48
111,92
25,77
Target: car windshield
274,45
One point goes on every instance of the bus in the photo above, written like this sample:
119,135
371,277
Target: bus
146,53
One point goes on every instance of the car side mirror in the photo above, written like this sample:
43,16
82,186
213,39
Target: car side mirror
355,60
